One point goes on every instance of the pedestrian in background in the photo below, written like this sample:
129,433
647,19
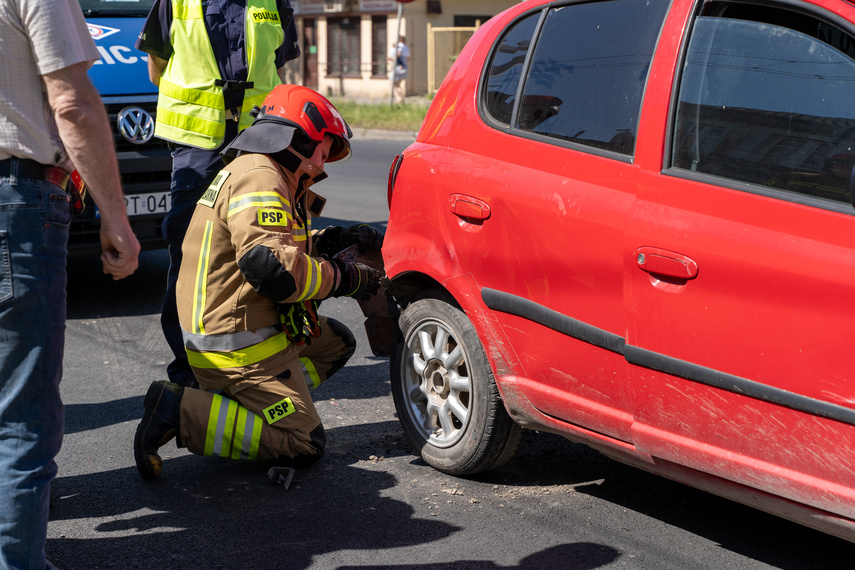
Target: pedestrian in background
402,66
51,117
207,87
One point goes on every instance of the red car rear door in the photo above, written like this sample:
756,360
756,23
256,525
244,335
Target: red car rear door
740,255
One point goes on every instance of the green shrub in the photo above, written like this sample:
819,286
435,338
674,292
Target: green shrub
406,117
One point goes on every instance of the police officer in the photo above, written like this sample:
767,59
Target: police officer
213,62
251,278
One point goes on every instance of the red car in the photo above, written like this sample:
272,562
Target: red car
630,222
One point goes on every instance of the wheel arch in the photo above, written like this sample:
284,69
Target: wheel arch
465,292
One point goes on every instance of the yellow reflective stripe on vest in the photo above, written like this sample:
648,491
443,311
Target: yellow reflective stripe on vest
239,358
201,296
313,279
221,423
187,10
200,130
313,379
256,200
248,433
190,104
263,32
202,98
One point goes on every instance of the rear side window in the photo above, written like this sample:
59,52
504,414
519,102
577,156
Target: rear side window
585,77
505,72
767,96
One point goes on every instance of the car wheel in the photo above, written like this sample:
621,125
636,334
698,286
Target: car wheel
444,392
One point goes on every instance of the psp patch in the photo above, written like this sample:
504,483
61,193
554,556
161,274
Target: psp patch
272,217
279,410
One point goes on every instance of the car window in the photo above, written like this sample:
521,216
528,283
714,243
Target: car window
767,96
505,71
588,72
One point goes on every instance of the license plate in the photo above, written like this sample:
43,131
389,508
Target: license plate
142,204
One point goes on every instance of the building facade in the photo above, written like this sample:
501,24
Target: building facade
348,44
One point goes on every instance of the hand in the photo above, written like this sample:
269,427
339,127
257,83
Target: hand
356,280
335,238
365,237
120,248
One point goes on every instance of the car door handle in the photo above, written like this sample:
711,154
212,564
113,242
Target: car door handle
667,263
469,208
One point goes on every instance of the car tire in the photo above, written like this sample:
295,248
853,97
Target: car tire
444,391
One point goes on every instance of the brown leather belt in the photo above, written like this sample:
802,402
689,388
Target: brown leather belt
26,168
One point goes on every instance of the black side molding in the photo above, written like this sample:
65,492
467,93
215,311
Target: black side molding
526,309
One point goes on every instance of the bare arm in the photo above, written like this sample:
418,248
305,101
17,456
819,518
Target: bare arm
155,68
86,136
283,73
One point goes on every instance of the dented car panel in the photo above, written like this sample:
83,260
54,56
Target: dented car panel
653,221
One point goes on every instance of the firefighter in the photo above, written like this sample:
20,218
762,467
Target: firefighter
251,277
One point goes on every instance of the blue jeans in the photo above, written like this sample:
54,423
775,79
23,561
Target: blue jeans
34,220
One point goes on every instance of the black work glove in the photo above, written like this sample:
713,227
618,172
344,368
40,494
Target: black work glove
334,239
355,280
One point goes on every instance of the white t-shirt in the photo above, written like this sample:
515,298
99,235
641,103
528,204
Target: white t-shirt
37,37
404,55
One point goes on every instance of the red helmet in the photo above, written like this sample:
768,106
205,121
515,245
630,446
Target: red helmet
310,112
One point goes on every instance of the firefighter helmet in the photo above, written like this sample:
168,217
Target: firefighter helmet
296,116
311,113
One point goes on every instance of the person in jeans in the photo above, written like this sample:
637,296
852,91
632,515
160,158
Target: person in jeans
51,117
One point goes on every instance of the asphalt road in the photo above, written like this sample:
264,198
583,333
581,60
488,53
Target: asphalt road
371,502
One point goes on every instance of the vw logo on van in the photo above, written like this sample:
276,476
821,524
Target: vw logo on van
135,124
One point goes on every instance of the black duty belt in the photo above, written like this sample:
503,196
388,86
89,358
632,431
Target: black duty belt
233,91
26,168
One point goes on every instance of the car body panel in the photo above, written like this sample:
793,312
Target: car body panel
690,325
122,69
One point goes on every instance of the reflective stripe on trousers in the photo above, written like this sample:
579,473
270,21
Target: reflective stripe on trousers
313,378
233,431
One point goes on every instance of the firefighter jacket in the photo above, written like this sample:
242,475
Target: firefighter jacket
248,245
191,108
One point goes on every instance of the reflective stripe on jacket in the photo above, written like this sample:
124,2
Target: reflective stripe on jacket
247,247
191,108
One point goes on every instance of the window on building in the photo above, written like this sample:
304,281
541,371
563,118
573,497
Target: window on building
766,97
379,50
343,47
461,21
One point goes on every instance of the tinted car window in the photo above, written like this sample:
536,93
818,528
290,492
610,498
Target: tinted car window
769,100
588,72
506,69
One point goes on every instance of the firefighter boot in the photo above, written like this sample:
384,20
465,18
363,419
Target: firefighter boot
159,425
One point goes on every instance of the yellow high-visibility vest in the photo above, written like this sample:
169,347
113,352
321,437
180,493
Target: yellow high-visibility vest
191,108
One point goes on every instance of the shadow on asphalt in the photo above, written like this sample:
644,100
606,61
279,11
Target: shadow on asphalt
214,513
573,556
548,460
93,294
